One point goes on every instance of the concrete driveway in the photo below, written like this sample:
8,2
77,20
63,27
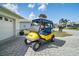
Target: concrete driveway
14,46
64,46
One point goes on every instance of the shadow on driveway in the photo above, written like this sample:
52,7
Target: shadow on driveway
56,44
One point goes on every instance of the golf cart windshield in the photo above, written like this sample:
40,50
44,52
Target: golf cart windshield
36,24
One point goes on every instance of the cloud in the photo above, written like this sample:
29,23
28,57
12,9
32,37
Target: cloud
12,7
31,5
43,7
32,15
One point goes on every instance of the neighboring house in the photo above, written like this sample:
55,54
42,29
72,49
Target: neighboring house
25,24
56,25
72,25
9,23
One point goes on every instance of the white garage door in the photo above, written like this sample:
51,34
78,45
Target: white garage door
6,28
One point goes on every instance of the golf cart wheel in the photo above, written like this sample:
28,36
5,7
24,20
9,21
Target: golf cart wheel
36,46
25,41
53,39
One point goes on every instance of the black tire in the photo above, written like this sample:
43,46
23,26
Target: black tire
26,41
52,40
36,46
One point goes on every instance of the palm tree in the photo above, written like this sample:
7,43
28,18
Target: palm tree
62,24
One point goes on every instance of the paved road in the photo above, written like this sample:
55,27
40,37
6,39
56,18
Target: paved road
13,47
64,46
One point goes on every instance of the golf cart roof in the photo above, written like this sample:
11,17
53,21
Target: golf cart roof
42,21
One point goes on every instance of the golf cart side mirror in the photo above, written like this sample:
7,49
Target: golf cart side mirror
21,32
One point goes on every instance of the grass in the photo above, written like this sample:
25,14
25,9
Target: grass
72,28
61,34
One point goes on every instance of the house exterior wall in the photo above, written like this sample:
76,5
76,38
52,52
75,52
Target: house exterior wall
17,27
24,25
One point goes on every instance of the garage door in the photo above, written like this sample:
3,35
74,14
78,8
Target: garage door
6,28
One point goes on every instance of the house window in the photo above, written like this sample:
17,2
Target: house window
0,18
6,19
10,20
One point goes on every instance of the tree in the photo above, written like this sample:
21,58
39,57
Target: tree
62,24
42,16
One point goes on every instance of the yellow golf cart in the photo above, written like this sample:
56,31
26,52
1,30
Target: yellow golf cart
40,31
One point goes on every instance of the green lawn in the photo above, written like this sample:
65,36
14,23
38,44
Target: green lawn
61,34
72,28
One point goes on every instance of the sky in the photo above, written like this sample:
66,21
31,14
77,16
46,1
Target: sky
54,11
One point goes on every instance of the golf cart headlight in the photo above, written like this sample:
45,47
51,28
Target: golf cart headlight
27,37
28,41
